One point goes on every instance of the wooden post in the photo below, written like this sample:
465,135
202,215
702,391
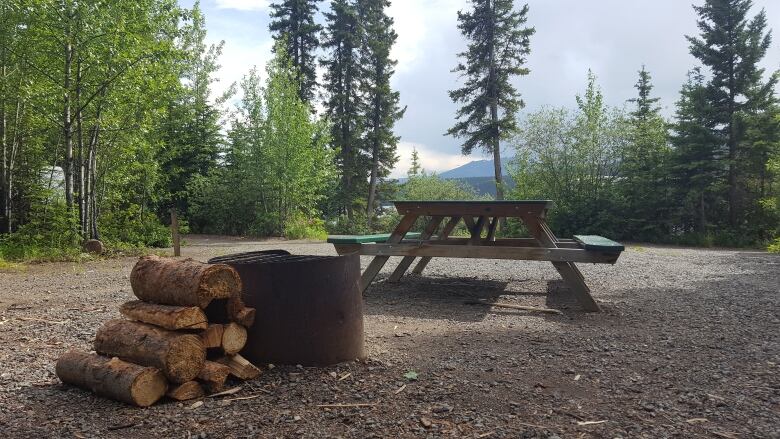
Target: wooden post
175,232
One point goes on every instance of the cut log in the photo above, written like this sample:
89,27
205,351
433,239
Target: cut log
240,313
165,316
112,378
185,391
229,310
240,367
179,356
213,376
233,338
182,282
212,336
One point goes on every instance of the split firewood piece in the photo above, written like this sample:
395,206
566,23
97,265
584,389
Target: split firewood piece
240,367
240,313
112,378
212,336
183,282
179,356
165,316
186,391
233,338
213,376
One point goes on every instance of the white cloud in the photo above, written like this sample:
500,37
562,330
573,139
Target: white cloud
430,160
418,24
244,5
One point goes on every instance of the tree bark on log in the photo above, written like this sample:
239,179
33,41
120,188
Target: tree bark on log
179,356
185,391
213,376
240,367
186,282
112,378
233,338
165,316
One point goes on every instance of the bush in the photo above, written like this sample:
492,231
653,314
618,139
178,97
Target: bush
774,246
123,228
301,227
49,236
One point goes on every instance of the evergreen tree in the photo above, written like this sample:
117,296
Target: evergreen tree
731,45
379,108
497,50
695,169
293,23
341,40
192,138
415,169
644,165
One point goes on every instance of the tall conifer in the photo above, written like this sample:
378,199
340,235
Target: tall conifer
380,107
293,22
498,43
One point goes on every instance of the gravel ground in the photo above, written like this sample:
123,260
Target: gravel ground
687,346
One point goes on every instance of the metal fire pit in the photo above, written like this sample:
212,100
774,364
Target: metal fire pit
309,308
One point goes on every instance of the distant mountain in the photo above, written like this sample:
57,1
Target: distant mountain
476,168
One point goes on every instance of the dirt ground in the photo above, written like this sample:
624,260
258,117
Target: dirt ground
687,346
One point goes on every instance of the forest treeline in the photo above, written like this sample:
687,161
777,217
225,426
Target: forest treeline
108,119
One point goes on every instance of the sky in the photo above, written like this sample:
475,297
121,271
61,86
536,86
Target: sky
613,38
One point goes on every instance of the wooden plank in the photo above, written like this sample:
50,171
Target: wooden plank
486,252
343,249
445,234
501,242
474,208
571,275
360,239
430,229
599,243
378,262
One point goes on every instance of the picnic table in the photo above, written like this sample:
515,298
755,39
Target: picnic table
481,219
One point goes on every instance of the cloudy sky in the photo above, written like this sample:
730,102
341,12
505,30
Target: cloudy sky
614,38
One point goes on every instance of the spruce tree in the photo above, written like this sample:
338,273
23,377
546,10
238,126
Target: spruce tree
341,41
380,107
695,168
293,23
731,45
415,169
192,135
498,46
644,165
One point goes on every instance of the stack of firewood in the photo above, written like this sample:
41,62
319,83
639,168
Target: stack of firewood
181,339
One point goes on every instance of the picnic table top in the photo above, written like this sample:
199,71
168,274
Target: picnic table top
505,208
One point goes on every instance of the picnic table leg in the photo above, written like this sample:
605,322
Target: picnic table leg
571,275
445,233
491,235
476,231
430,228
378,262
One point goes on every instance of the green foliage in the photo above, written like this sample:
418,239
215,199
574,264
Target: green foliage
301,227
431,187
50,235
134,228
293,25
278,166
572,158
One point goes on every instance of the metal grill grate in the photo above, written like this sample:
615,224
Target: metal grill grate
265,257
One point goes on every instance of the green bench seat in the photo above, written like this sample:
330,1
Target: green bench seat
363,239
599,243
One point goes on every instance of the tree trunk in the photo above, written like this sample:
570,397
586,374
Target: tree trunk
179,356
165,316
67,121
112,378
372,185
496,135
182,282
4,201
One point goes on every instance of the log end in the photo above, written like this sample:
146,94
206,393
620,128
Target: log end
148,387
185,358
233,338
220,281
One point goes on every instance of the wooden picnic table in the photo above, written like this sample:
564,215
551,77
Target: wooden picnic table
480,218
